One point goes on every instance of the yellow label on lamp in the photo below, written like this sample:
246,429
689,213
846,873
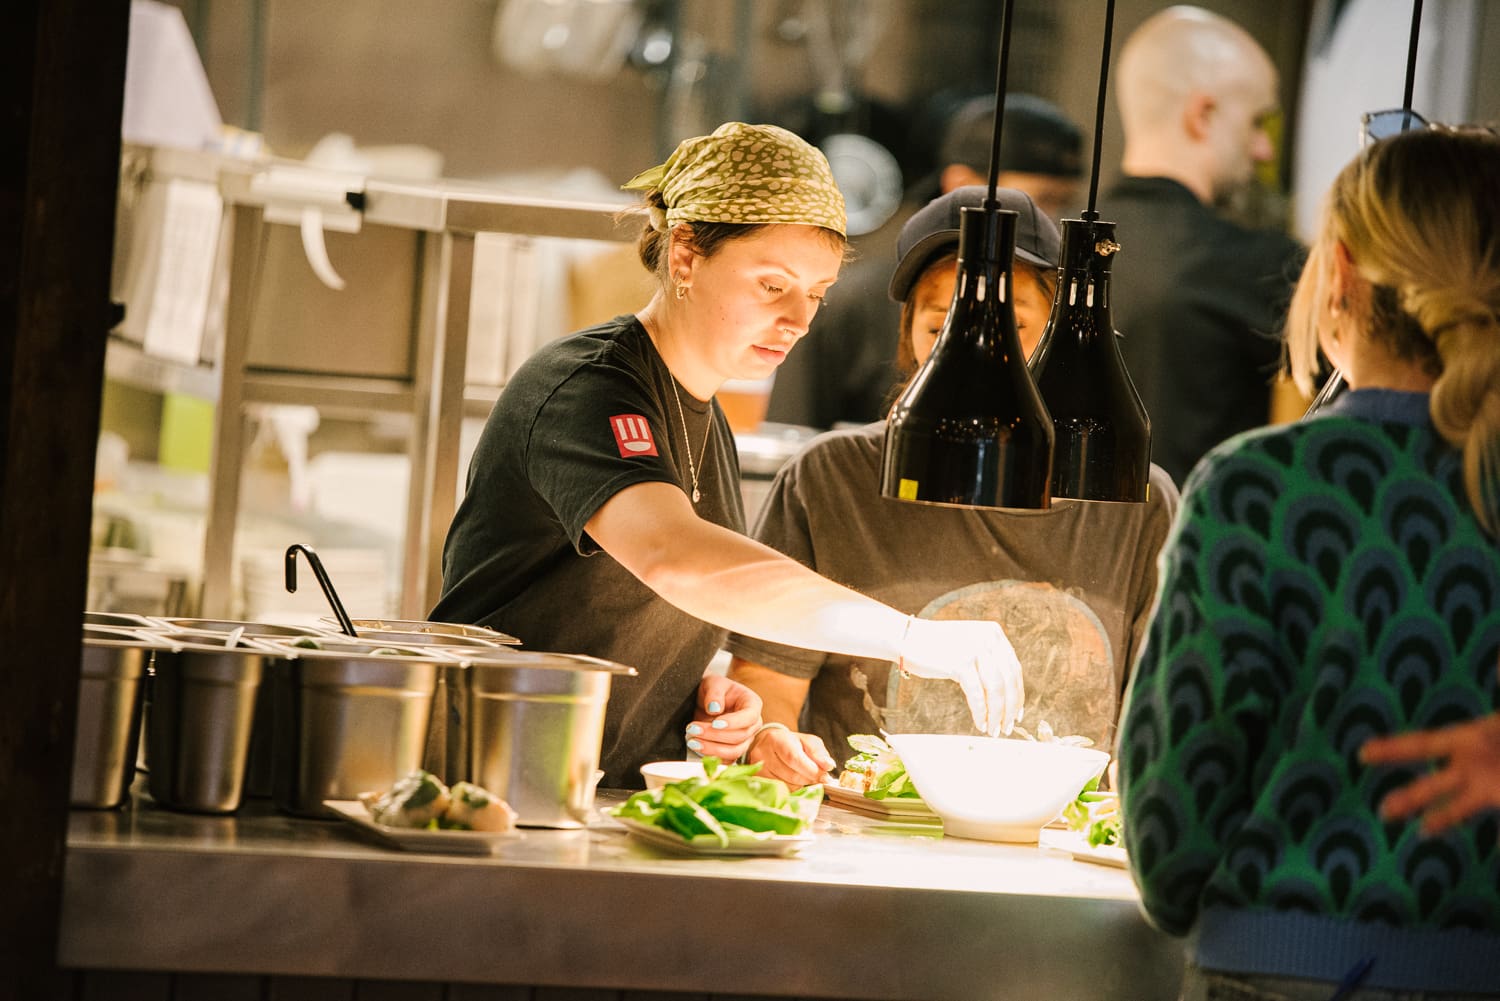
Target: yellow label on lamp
907,489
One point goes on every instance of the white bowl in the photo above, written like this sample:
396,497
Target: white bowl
996,789
660,773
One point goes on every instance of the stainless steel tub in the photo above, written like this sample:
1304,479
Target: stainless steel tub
528,727
254,630
111,686
203,705
423,626
400,637
121,620
345,721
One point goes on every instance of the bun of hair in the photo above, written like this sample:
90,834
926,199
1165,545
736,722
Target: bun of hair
653,242
1466,407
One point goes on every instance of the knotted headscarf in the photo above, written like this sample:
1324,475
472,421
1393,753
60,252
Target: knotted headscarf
744,174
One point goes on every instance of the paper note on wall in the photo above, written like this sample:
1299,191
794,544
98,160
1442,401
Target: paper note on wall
177,304
489,310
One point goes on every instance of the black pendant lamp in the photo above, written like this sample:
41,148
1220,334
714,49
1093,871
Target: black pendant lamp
1335,384
971,428
1103,436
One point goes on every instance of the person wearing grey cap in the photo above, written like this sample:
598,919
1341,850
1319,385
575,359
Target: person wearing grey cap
842,373
1072,586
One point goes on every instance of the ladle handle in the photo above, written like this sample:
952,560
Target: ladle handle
328,592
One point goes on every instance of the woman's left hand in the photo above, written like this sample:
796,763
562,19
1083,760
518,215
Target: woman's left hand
727,716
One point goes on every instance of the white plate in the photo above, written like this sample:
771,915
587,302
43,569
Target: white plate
1076,843
852,799
706,844
418,839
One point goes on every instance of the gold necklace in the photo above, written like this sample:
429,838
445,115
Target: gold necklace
688,445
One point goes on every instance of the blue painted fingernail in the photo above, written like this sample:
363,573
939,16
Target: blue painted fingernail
719,724
715,707
695,745
694,729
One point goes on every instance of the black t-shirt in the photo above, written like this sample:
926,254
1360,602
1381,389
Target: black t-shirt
584,418
1201,301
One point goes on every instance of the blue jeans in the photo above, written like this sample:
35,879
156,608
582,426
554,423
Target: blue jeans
1207,985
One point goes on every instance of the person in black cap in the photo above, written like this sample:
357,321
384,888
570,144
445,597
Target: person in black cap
1072,586
1041,151
927,267
843,371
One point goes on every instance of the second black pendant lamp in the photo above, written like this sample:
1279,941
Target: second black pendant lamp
1102,450
971,429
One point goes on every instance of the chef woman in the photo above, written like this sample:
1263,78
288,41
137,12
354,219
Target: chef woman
602,514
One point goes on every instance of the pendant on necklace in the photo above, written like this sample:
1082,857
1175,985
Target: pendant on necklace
696,495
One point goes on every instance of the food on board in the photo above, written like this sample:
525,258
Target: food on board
478,809
421,800
876,771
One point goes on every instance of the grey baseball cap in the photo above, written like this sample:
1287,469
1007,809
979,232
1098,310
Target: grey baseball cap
933,231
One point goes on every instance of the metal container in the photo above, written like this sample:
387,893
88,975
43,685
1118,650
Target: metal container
439,644
254,630
404,626
128,582
115,665
120,620
346,721
528,727
203,705
403,638
257,780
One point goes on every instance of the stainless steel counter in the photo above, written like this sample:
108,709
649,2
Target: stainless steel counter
872,909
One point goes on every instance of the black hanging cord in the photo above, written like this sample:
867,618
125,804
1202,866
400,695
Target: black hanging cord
1335,383
991,203
1091,214
1416,27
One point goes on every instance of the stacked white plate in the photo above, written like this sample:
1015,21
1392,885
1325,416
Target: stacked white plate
358,575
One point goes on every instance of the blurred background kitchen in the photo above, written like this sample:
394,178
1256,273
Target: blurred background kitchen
295,386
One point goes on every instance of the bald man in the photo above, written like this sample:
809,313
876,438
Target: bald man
1199,299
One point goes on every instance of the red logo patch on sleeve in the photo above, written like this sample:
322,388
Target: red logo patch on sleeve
632,435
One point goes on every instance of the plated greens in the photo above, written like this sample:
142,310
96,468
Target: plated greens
726,803
1096,815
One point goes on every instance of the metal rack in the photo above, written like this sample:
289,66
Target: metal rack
445,217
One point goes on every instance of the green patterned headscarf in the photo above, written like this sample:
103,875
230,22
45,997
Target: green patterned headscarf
744,174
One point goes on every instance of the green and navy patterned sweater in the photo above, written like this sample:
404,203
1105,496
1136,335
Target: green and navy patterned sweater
1325,582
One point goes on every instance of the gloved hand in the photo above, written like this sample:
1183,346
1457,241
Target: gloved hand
979,657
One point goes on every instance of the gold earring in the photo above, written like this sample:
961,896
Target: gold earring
679,288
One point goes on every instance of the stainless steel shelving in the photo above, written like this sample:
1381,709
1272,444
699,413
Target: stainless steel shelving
445,217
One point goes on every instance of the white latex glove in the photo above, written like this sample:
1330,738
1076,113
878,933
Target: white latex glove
979,657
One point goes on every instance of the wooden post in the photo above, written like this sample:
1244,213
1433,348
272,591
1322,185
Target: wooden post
62,63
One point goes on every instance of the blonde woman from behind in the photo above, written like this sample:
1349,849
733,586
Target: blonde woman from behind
1329,582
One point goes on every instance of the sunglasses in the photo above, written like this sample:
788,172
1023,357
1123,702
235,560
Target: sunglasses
1377,125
